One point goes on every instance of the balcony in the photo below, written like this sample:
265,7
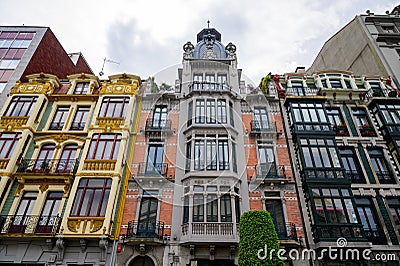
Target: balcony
375,236
355,176
311,128
270,170
158,126
44,166
77,126
115,122
286,231
367,131
145,229
385,177
99,165
259,127
29,224
208,86
56,125
207,231
341,130
152,169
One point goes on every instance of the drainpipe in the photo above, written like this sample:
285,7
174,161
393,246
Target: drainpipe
113,253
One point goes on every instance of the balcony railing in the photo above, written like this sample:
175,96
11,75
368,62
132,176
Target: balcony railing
158,124
152,169
385,177
375,236
145,229
78,126
322,128
211,229
57,166
367,131
341,130
355,176
262,126
286,231
57,125
29,224
208,86
270,170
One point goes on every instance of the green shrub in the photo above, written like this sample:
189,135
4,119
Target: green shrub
257,230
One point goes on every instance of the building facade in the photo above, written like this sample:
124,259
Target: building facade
30,50
66,150
206,151
342,134
367,44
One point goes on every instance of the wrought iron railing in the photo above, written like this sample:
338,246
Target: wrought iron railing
367,131
262,126
78,125
56,166
385,177
375,236
29,224
340,130
157,124
286,231
355,176
208,86
151,169
57,125
270,170
145,229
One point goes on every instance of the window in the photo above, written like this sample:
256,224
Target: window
91,197
336,120
380,166
59,118
212,207
43,162
104,146
388,29
391,113
80,118
394,208
231,114
369,220
197,81
334,213
266,160
297,87
351,165
198,207
221,80
376,89
8,142
147,223
67,160
188,155
81,88
363,123
211,150
23,214
309,117
261,121
49,217
226,208
210,108
210,82
190,114
185,210
221,111
159,117
335,83
155,159
275,208
114,107
200,112
320,158
20,106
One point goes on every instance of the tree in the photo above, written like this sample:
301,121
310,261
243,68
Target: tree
257,232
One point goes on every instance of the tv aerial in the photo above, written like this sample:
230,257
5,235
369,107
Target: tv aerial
105,60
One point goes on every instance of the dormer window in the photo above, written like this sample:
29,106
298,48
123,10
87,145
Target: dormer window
81,88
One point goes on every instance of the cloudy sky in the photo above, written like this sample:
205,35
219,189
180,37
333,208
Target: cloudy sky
146,36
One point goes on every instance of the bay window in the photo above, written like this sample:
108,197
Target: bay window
8,142
21,106
114,107
104,146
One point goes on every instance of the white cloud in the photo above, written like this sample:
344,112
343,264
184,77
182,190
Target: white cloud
146,36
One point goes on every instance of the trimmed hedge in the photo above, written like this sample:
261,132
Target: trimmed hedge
257,230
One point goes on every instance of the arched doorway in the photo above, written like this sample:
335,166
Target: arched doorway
142,261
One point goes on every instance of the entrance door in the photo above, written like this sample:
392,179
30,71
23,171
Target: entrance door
142,261
274,207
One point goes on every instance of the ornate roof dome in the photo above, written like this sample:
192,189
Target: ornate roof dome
209,45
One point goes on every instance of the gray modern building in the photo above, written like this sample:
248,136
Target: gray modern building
370,43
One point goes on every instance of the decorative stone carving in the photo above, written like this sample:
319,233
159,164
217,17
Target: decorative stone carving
60,243
95,225
103,244
43,187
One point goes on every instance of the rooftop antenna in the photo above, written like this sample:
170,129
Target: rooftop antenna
101,73
208,23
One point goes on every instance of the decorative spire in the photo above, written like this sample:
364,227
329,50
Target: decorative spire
208,23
